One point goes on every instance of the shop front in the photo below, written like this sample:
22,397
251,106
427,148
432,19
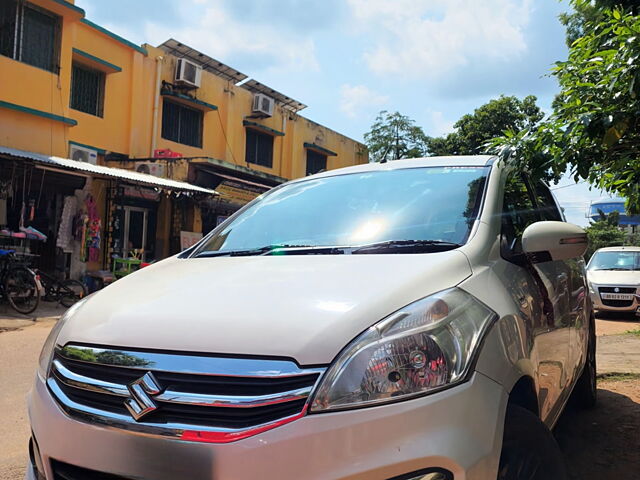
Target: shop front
75,219
234,191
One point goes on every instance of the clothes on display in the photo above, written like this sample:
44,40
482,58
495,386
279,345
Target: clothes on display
5,193
66,224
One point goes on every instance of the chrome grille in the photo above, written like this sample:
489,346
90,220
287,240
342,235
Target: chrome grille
178,392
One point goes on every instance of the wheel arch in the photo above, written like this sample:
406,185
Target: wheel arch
523,393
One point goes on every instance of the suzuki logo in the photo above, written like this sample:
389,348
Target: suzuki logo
616,289
140,403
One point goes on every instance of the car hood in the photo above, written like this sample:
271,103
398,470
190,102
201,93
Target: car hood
613,277
303,307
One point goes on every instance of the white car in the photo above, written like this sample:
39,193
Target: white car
614,278
420,319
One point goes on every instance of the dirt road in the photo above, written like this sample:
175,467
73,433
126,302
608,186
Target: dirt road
19,351
599,444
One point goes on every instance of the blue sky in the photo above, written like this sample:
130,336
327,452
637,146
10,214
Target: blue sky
433,60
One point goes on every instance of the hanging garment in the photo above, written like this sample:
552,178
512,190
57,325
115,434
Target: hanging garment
93,230
66,223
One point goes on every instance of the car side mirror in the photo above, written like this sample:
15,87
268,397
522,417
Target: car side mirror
548,241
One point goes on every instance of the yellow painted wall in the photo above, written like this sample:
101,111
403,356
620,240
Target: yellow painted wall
126,125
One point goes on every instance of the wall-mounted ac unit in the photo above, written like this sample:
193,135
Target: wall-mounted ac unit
263,105
83,154
188,73
151,168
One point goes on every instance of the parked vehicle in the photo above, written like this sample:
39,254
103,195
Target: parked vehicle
419,319
66,292
19,285
614,279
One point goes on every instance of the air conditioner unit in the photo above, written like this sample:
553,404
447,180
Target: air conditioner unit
188,73
263,104
151,168
83,154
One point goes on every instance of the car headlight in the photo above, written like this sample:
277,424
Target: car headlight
424,347
46,354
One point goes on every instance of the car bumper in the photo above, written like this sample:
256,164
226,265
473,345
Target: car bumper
602,306
459,429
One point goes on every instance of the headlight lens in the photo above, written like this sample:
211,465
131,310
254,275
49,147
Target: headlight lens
47,349
423,347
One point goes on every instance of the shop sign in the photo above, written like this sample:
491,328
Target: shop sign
140,192
235,192
188,239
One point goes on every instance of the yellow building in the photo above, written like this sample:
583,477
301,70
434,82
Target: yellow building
128,142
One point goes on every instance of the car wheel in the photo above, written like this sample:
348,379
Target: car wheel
585,393
529,451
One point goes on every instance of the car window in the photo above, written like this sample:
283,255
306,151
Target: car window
423,204
612,260
546,203
518,212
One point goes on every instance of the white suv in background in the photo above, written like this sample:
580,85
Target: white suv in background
420,319
614,278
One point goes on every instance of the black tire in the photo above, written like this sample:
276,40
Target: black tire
21,290
529,451
585,393
70,292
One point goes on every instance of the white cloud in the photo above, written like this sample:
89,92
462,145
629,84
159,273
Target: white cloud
430,38
356,99
439,125
212,30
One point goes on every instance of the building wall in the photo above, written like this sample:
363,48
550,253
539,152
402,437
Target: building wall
126,125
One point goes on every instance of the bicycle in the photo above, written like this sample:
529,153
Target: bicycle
18,284
66,292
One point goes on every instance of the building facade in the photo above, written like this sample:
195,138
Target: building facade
114,150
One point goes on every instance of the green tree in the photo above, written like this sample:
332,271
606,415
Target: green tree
587,12
394,136
604,232
490,120
594,130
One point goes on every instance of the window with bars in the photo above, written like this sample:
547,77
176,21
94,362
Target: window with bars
316,162
29,34
259,148
87,90
181,124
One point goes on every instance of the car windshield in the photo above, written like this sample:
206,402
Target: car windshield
619,260
430,204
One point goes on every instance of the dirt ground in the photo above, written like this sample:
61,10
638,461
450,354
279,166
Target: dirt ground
604,443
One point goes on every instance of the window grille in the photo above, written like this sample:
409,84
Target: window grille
316,162
29,34
182,124
87,90
259,148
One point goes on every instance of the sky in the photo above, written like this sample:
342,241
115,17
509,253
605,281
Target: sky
432,60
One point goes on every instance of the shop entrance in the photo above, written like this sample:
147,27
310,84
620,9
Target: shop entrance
136,224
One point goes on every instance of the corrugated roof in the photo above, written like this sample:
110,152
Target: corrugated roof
68,164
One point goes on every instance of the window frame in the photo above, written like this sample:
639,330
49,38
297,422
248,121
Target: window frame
258,135
318,155
508,249
102,84
18,45
180,137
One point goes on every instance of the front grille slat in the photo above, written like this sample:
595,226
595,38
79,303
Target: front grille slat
192,401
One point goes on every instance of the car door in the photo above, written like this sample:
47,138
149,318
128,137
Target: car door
571,285
541,293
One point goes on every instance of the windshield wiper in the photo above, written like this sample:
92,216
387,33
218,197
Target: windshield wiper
407,246
275,250
617,269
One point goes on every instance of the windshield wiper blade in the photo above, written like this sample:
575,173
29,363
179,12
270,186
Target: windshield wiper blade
274,250
408,246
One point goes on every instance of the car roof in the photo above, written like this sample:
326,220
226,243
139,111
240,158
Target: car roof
449,161
619,249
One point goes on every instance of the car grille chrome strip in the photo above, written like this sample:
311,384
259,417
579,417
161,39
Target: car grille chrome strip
72,379
179,395
185,363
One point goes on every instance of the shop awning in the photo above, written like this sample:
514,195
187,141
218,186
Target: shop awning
128,175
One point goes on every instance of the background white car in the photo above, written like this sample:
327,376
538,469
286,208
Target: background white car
614,279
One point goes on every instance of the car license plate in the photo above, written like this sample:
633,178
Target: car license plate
617,296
